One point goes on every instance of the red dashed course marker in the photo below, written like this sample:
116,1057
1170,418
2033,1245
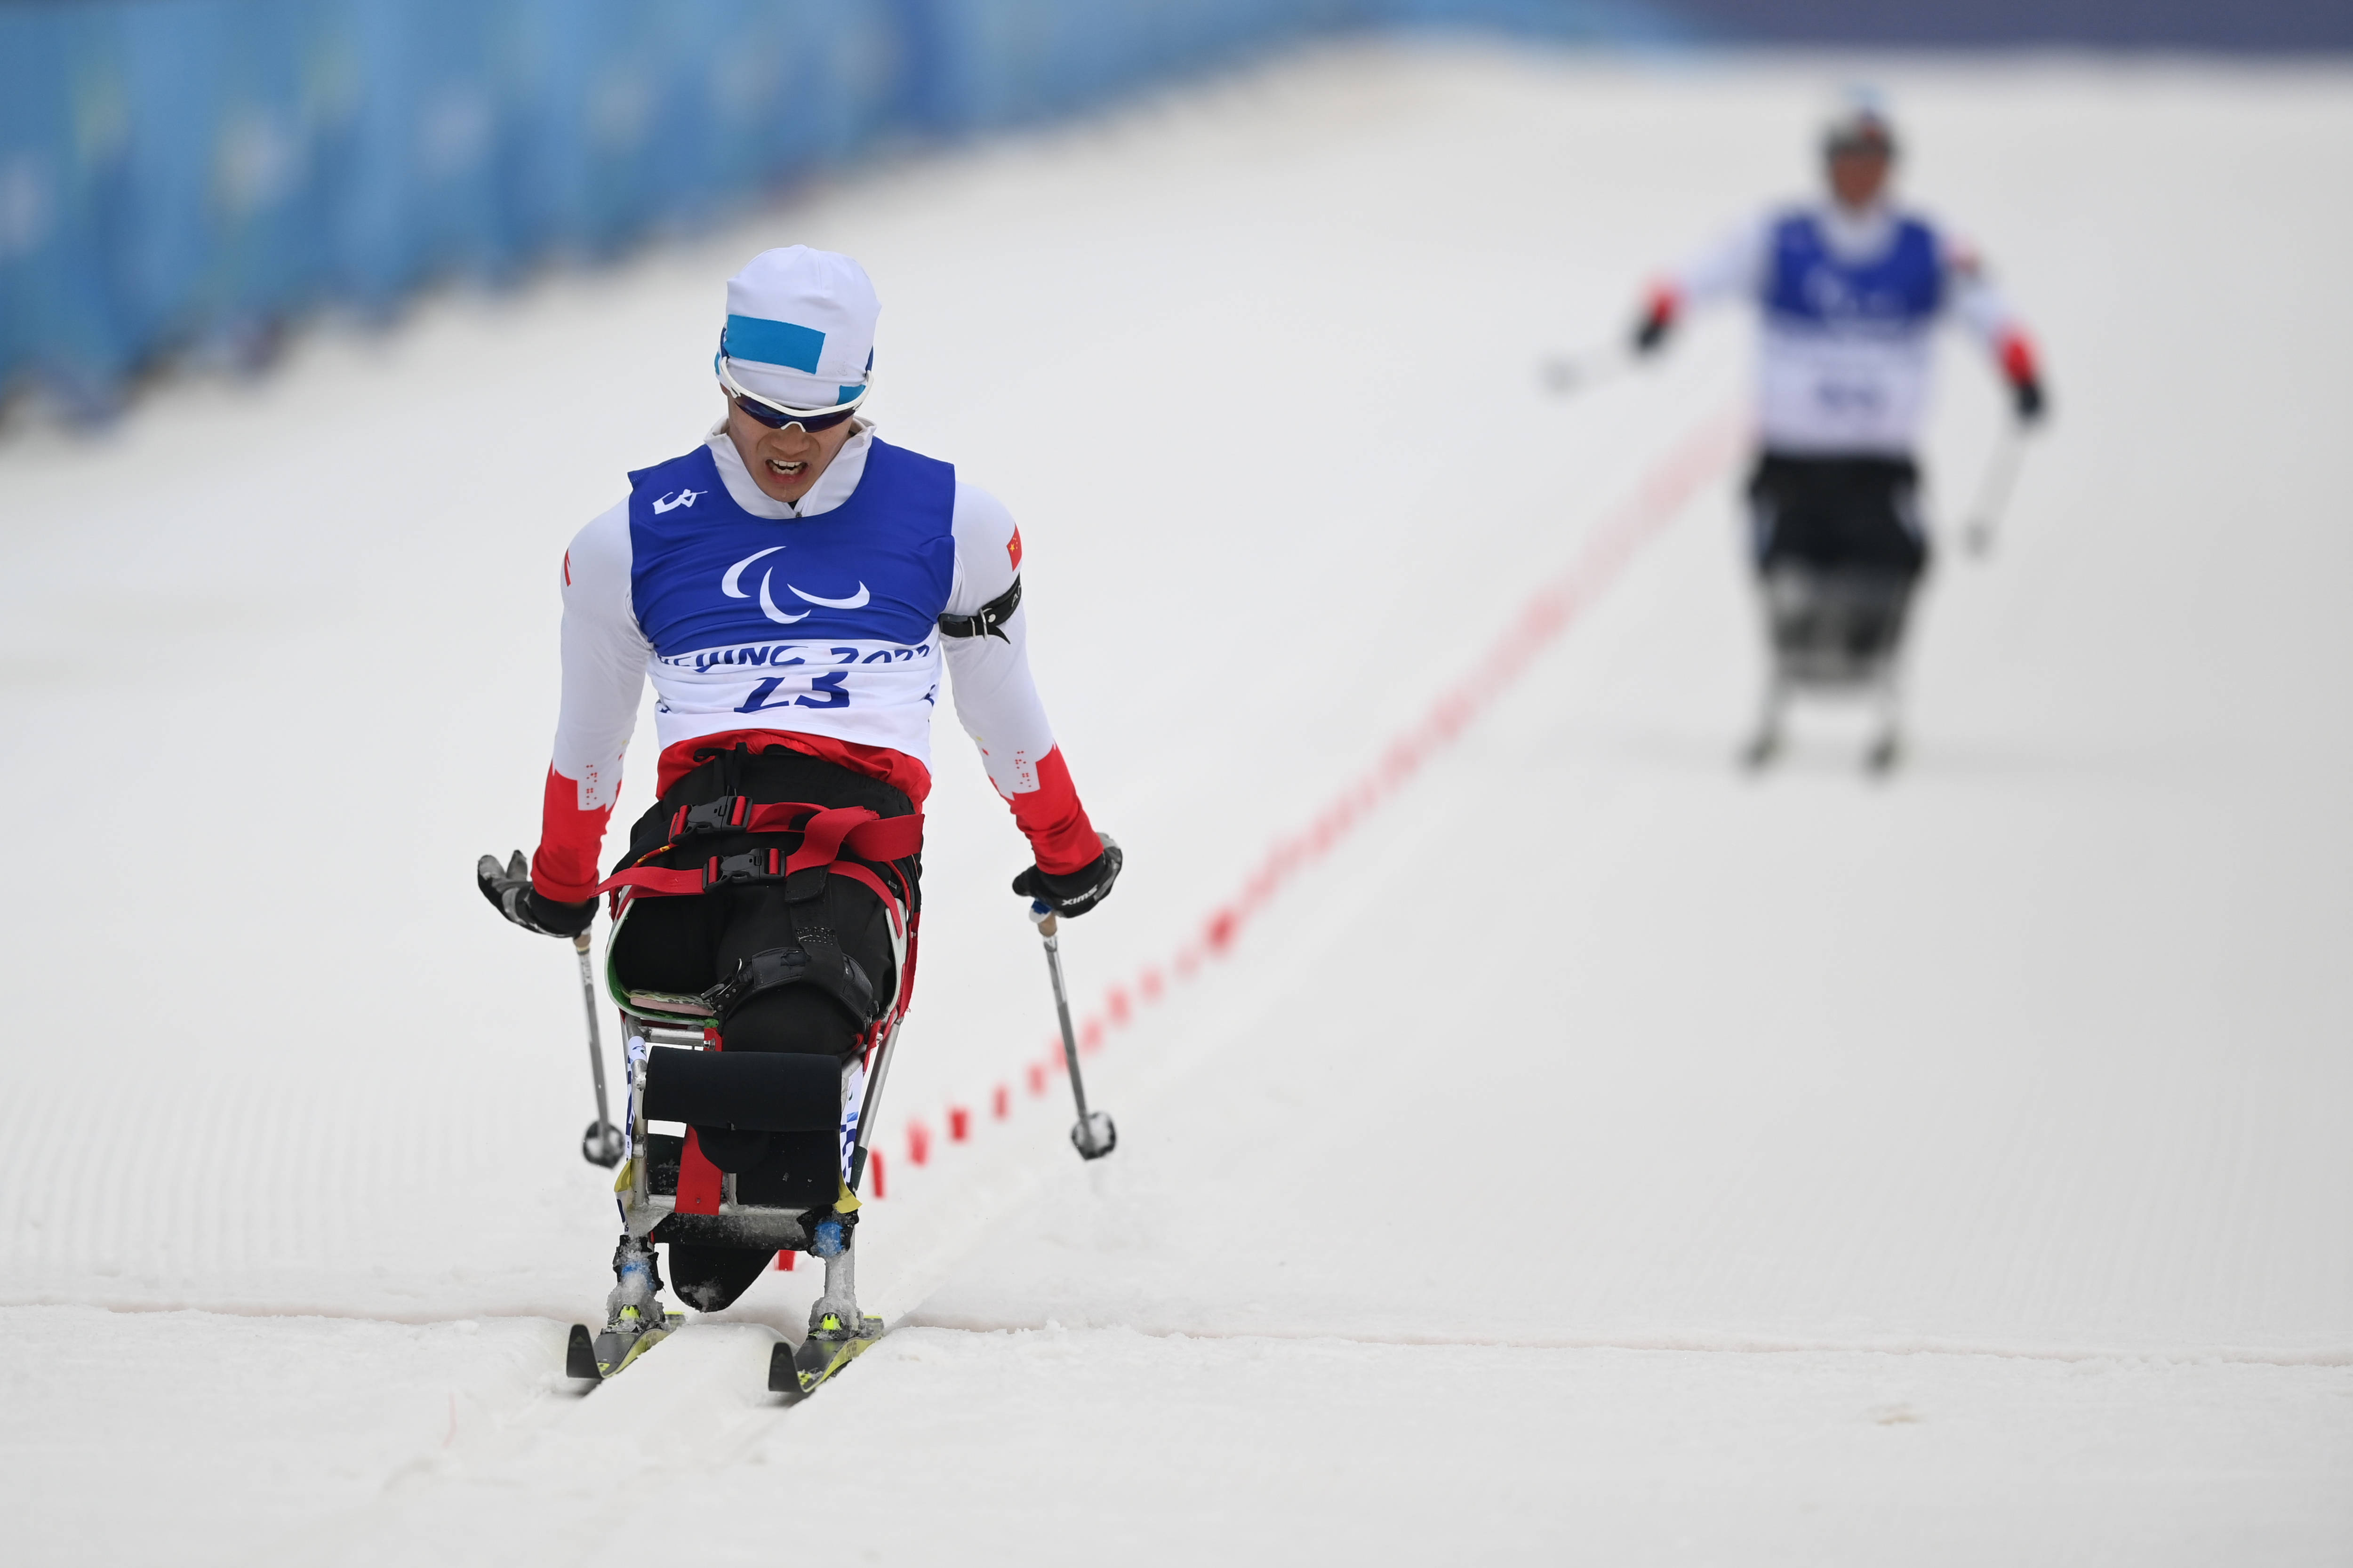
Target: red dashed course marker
1001,1103
874,1169
784,1260
1700,456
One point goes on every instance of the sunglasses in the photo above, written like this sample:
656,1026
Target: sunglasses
776,415
1865,144
777,418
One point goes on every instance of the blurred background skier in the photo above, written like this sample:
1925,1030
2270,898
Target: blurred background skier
1851,290
794,586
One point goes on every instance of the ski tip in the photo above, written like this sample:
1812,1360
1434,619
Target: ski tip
797,1373
580,1355
784,1377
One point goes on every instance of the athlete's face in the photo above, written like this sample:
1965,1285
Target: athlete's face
785,463
1858,176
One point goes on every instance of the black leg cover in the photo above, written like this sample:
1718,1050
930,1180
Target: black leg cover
709,1278
773,1128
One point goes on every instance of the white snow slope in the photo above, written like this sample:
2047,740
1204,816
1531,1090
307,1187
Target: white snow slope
1598,1155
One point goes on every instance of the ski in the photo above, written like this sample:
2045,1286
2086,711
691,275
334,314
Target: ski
798,1373
635,1319
593,1358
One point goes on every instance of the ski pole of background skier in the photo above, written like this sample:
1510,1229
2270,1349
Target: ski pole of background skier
601,1144
1093,1135
1993,492
1566,375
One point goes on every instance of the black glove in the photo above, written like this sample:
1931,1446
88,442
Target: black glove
511,894
1652,330
1073,893
2026,397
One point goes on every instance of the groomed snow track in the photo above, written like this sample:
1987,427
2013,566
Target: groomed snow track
1582,1152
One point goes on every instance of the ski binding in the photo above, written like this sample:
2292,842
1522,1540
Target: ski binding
831,1345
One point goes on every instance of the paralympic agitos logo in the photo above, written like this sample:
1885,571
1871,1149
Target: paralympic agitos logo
731,584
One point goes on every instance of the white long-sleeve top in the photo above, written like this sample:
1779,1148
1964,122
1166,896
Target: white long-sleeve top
1849,299
862,697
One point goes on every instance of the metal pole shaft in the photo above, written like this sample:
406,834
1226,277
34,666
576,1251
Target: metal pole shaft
1567,375
1993,490
596,1042
1062,1011
869,1105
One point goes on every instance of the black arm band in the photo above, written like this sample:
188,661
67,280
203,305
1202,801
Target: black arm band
991,616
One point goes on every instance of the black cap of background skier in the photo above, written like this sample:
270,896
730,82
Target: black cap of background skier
1860,124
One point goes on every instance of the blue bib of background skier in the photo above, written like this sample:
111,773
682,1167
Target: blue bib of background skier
1811,286
708,577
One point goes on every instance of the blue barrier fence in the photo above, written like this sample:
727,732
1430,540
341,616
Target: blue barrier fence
196,172
178,174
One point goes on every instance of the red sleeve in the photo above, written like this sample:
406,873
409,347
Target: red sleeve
2018,361
1056,825
565,869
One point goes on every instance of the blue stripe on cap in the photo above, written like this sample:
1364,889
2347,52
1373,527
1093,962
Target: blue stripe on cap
847,392
774,343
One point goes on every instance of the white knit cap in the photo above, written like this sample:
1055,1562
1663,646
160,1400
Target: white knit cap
1859,117
800,327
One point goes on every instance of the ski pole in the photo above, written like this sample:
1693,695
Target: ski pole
1993,493
601,1144
1565,375
869,1103
1093,1135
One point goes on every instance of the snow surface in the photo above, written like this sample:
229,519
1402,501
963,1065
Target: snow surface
1599,1155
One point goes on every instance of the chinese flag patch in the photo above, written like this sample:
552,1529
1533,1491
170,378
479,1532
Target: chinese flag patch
1013,549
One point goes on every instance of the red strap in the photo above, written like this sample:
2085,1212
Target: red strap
867,834
658,882
860,874
655,881
887,838
824,838
821,838
777,817
907,970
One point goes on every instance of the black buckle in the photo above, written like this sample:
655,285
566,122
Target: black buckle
752,866
764,970
711,816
